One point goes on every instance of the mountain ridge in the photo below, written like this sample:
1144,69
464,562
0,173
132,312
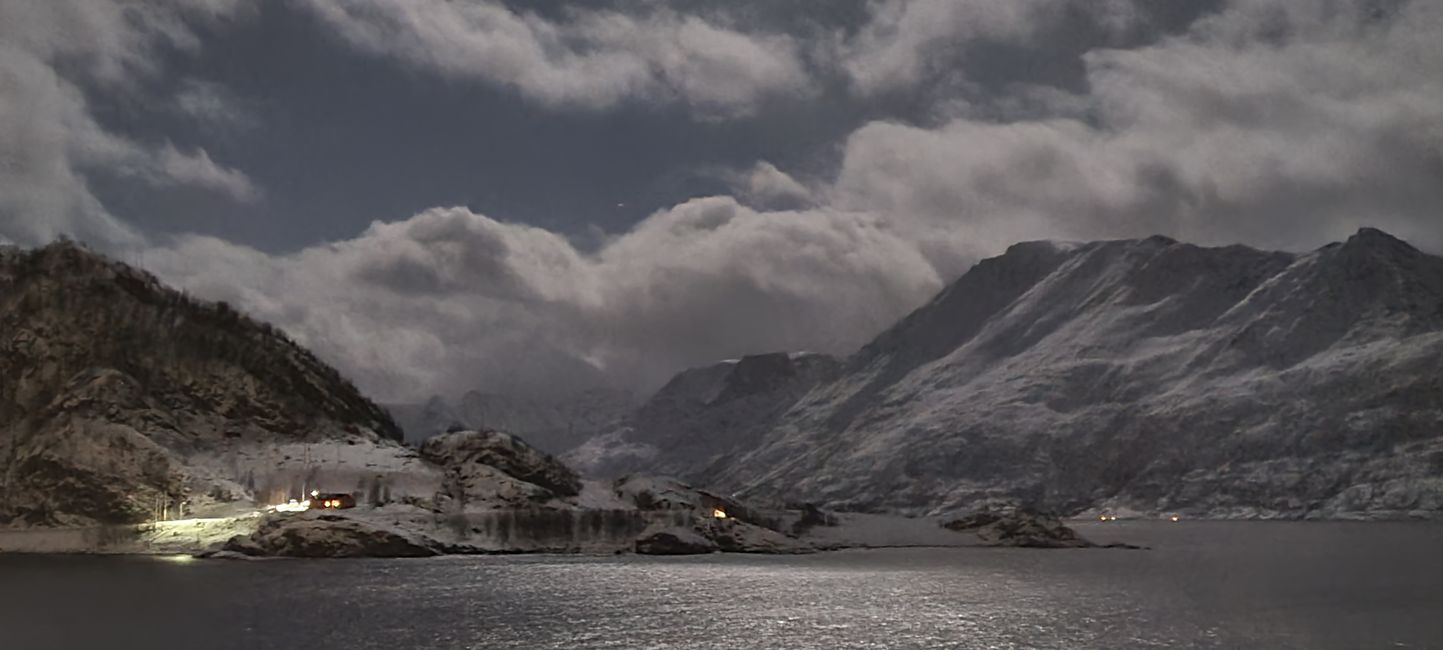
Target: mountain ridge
1144,374
114,381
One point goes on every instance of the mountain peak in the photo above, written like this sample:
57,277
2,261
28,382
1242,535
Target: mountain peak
1138,373
1375,239
99,312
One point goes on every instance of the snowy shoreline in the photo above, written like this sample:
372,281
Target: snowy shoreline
851,531
210,536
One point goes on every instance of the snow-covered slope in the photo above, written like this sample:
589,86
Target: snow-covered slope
120,396
1143,374
699,420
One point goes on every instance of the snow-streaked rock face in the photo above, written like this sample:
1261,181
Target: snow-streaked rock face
555,425
115,388
705,415
478,465
1145,374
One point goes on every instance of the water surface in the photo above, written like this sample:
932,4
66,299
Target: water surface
1204,585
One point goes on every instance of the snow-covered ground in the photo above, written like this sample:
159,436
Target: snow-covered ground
160,538
238,477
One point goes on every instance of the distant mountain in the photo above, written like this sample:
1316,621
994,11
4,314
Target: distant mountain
117,389
696,423
1147,374
555,425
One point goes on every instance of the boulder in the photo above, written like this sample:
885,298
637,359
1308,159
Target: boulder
506,453
657,493
1017,526
812,517
675,541
736,536
708,535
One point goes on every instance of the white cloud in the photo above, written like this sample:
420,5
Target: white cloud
766,187
449,300
198,170
43,195
212,104
910,42
593,60
1282,127
896,46
49,140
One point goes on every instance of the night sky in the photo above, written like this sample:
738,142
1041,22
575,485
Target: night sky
543,197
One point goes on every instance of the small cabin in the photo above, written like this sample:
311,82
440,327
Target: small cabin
333,501
721,508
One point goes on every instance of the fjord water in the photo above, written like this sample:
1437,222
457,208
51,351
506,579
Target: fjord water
1202,585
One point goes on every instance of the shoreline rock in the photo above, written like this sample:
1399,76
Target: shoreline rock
1018,527
328,536
675,541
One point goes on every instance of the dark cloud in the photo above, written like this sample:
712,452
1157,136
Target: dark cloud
51,141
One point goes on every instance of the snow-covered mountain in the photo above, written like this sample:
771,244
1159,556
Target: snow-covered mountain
1145,374
555,425
122,399
702,418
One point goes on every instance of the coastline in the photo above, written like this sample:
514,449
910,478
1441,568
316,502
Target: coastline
854,531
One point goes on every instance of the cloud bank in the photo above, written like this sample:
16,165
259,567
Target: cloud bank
450,300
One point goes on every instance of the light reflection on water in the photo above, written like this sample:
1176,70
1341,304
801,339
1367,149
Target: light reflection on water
1204,585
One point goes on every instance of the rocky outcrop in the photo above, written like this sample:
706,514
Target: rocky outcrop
1018,527
474,458
328,536
725,524
709,535
113,384
666,493
737,536
675,541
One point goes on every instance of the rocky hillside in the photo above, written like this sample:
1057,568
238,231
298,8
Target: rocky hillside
1148,375
113,384
703,417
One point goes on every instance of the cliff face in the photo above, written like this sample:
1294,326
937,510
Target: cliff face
112,383
1146,374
